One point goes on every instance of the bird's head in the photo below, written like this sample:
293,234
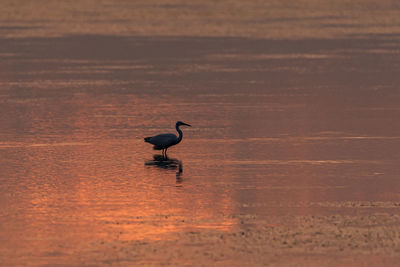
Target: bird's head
179,123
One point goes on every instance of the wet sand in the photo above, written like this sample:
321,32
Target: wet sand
369,240
334,240
293,158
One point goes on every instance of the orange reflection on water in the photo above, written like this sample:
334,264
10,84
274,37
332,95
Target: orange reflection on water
74,196
282,125
89,182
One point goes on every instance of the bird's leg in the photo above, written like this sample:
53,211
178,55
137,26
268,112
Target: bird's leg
166,157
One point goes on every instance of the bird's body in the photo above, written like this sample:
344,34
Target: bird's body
164,141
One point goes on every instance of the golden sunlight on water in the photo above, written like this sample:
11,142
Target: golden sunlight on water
255,19
294,148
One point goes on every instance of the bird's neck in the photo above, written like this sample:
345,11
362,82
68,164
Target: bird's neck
180,133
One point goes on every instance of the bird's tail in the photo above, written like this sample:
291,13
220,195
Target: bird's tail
147,139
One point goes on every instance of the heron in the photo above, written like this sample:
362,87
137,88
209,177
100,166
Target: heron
164,141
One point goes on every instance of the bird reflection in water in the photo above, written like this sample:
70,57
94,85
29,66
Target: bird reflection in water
163,162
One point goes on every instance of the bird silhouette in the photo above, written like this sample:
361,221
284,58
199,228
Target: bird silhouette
164,141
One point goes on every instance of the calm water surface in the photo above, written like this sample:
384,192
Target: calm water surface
279,127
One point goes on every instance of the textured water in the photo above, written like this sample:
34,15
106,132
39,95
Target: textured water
307,126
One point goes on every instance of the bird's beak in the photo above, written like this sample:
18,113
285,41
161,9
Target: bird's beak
186,124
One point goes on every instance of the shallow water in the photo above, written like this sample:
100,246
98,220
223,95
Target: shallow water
300,127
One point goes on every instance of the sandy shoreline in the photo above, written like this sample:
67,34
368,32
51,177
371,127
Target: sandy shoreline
372,240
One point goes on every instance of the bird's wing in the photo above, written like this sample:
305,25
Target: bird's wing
163,139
